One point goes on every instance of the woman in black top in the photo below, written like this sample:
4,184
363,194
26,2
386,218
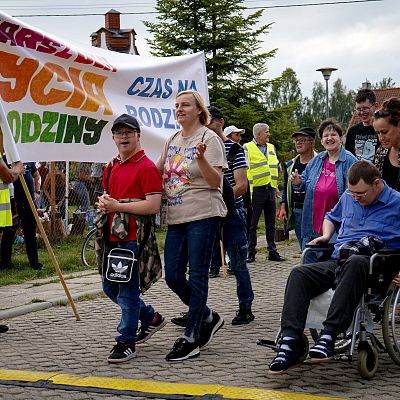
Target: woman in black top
387,125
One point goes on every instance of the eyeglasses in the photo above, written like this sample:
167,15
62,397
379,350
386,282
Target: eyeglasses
301,141
128,134
356,195
363,110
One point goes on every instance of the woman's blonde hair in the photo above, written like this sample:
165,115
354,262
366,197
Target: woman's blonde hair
204,116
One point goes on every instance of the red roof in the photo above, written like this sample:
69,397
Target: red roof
381,96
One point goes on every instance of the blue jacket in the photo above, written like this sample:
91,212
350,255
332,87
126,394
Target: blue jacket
309,180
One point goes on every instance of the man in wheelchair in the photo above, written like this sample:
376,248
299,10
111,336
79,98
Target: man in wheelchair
368,208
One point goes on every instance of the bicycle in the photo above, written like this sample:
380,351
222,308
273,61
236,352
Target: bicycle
88,252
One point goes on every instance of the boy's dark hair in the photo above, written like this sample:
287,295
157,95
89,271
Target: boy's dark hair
366,94
330,123
364,170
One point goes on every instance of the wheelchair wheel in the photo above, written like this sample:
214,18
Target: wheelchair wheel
367,361
391,323
342,344
88,253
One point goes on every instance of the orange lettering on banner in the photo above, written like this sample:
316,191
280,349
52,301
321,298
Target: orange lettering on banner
42,79
22,73
86,91
94,99
78,96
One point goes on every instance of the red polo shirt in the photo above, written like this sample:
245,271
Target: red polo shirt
133,178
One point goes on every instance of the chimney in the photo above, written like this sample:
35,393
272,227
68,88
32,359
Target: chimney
113,19
366,84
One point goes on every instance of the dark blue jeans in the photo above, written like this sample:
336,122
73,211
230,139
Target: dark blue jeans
192,243
234,233
127,296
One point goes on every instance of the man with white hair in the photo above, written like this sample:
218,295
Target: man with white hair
262,174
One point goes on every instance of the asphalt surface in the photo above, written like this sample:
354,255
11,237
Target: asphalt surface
69,357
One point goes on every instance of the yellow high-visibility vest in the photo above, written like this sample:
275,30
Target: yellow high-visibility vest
5,204
262,169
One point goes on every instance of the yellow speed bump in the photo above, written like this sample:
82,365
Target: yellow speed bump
153,387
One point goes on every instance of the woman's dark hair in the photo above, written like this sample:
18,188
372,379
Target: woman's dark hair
332,124
390,109
364,170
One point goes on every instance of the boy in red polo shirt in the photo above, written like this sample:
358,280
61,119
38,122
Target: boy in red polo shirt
132,176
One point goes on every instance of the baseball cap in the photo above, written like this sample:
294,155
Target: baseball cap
127,120
305,132
231,129
215,112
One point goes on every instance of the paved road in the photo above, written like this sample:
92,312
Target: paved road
51,341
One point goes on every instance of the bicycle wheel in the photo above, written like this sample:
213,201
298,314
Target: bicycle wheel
88,253
391,323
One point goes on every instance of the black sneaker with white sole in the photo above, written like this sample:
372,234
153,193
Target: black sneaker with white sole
146,332
183,350
180,321
121,353
209,329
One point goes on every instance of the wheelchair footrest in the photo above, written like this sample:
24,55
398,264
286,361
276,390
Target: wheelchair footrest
268,343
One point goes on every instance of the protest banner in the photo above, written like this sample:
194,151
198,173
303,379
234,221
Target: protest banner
59,99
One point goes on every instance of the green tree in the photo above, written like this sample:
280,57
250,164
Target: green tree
284,90
341,103
230,40
385,83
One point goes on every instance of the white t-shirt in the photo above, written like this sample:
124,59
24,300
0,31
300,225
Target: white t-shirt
189,197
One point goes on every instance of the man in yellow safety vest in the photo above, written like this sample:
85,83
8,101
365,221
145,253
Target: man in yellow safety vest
262,174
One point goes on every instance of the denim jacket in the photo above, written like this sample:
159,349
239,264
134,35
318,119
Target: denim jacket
309,180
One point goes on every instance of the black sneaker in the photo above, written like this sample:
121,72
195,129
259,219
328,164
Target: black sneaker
3,328
180,321
251,257
209,329
243,317
183,350
323,349
286,357
146,332
122,352
275,256
38,266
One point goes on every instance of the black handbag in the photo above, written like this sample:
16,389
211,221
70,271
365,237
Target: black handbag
120,265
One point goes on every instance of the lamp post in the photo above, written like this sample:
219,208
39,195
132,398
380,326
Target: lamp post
326,72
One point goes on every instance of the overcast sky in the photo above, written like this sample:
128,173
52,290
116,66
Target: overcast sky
362,40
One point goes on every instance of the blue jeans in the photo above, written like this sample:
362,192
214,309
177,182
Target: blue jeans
81,190
192,243
235,242
127,296
296,218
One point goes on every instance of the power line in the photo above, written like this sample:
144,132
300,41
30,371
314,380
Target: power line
248,8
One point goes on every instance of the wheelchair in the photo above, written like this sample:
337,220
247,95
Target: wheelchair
379,304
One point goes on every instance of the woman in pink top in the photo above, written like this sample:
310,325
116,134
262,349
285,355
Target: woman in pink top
324,180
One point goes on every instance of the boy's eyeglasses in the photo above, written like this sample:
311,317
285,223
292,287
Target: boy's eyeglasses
126,133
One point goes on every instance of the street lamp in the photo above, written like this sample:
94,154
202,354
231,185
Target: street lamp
326,72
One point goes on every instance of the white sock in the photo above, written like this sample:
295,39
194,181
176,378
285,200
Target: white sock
190,338
210,317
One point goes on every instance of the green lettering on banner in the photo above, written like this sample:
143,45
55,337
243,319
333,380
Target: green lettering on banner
74,129
28,120
93,126
61,128
14,122
53,127
50,118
